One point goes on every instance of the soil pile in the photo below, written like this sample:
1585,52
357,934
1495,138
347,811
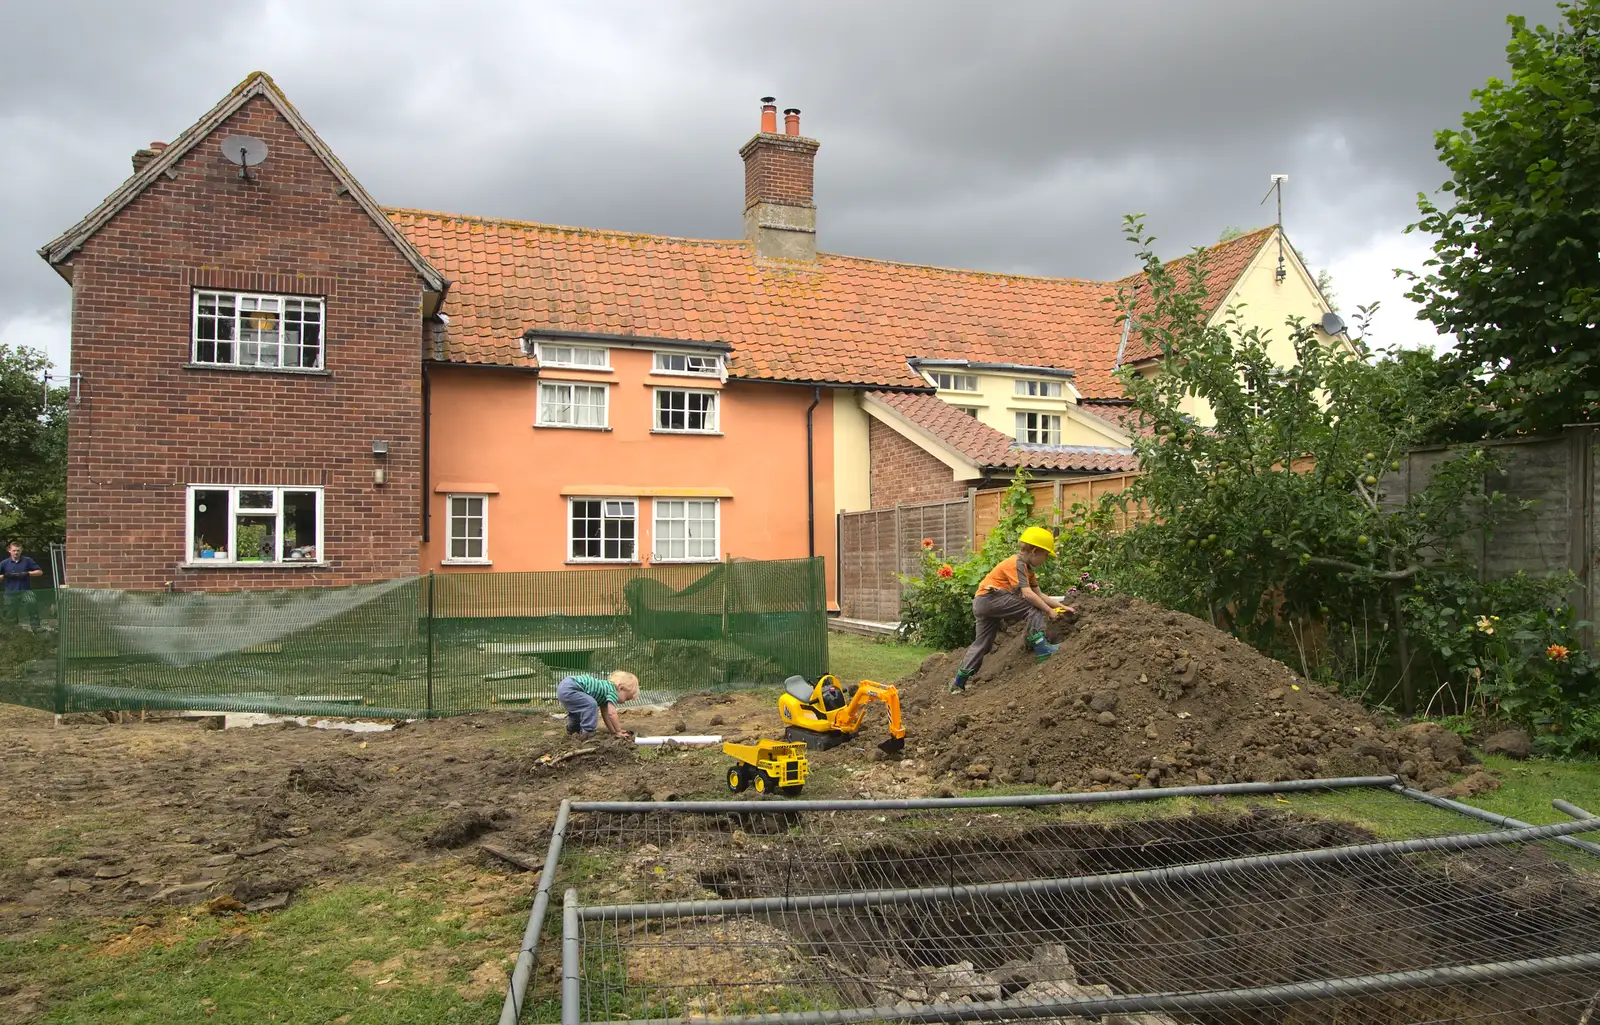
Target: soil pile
1142,696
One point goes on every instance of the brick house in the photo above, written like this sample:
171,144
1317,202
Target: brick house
321,390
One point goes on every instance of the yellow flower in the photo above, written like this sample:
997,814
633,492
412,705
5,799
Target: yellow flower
1486,623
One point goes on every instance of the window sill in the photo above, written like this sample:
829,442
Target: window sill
602,562
704,434
230,564
569,427
226,368
568,366
466,562
685,562
689,374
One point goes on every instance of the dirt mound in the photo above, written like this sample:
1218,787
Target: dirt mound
1141,696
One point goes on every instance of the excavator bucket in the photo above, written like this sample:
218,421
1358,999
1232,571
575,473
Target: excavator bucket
893,746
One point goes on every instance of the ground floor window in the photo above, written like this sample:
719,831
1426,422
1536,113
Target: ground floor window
686,530
602,529
469,528
254,524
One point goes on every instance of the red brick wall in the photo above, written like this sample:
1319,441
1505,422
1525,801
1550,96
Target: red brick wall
903,473
779,169
146,425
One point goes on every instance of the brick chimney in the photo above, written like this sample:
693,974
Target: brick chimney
144,156
779,216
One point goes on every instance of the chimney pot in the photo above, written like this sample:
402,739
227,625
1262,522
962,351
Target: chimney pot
769,115
158,146
791,121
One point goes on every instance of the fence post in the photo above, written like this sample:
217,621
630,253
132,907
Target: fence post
61,652
972,520
727,590
430,645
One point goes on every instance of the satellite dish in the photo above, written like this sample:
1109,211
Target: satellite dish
1332,323
245,150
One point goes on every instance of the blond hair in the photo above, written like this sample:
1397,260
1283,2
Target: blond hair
626,683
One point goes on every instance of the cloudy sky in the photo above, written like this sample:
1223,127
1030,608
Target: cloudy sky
1006,136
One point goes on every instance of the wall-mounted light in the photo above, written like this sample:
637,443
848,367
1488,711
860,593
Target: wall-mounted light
380,453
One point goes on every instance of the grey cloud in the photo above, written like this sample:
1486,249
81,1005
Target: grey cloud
1002,136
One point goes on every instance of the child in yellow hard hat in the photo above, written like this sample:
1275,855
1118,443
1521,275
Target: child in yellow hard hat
1010,590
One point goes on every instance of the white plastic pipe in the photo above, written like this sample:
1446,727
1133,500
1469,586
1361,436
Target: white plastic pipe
657,741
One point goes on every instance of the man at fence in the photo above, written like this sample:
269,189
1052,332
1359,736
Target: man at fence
588,699
19,571
1010,590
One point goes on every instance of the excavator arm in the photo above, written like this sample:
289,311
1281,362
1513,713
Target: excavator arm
866,693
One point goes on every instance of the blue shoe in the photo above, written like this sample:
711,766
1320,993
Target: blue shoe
960,684
1042,649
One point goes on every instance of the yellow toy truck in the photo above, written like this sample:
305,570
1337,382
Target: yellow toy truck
771,766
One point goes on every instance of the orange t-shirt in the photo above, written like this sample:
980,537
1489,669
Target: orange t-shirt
1004,577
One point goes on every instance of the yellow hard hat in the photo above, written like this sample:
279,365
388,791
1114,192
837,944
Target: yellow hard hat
1040,538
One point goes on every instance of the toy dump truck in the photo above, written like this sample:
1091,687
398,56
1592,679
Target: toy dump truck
771,766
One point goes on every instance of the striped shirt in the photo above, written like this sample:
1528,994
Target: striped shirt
602,690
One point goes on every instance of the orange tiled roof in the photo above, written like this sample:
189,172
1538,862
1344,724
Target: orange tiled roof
1225,264
992,450
843,319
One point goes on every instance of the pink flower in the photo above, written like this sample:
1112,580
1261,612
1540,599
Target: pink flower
1072,590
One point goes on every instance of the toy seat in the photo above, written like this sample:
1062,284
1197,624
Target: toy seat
798,688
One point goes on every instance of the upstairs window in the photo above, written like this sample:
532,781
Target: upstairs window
244,329
602,529
1039,389
953,382
1038,429
684,363
971,411
686,412
571,405
580,357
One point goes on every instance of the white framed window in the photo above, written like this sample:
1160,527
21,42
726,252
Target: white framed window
1038,429
245,524
571,405
945,381
971,411
602,530
580,357
468,538
682,411
245,329
1039,389
686,363
687,530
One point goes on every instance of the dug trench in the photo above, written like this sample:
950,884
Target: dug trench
1286,924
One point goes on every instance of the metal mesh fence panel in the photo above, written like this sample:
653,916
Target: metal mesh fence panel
436,645
1342,906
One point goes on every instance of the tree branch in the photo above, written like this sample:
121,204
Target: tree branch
1351,567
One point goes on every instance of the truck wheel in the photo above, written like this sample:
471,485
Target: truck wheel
793,791
764,783
736,780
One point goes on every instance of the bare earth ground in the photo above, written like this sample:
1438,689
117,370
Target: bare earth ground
115,825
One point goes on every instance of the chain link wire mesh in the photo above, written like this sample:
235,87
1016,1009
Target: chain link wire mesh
645,954
434,645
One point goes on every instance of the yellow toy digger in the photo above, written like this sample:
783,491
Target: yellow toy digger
828,713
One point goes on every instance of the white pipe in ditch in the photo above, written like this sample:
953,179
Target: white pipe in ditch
657,741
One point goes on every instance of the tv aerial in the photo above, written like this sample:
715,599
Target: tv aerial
245,150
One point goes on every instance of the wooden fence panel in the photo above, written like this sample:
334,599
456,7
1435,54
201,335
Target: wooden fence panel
877,546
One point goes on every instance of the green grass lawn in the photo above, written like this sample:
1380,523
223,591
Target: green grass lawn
1527,787
400,952
852,657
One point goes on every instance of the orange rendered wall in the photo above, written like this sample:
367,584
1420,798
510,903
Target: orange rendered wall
482,434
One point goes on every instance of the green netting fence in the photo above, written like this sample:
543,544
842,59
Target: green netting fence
422,646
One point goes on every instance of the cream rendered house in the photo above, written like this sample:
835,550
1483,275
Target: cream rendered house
1023,371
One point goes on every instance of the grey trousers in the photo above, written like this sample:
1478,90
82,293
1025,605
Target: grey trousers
991,611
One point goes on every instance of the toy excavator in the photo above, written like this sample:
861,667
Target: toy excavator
828,714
